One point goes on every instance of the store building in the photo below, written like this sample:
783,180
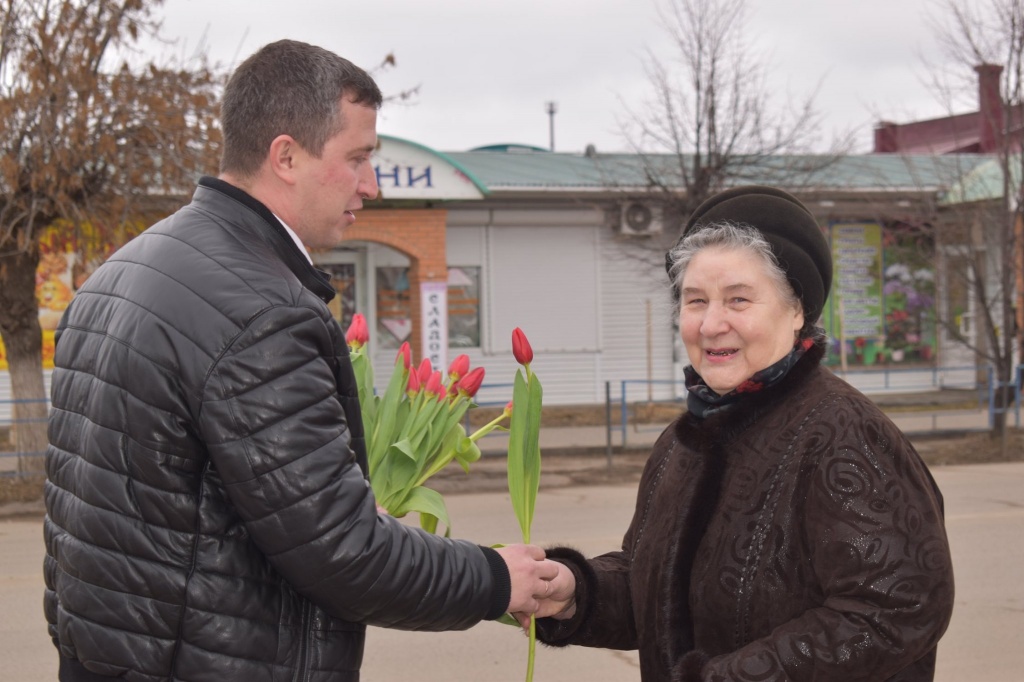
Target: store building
463,247
569,247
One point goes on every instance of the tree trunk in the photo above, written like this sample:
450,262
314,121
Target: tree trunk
23,338
1002,400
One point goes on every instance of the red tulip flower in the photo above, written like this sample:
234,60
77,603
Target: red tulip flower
521,347
459,367
358,333
435,385
424,371
405,353
413,387
470,384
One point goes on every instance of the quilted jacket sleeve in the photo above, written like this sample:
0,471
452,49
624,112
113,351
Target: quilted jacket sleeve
873,523
278,439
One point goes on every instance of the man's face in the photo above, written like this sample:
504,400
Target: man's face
331,188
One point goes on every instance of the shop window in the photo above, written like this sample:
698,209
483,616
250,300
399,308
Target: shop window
464,307
909,297
343,279
394,306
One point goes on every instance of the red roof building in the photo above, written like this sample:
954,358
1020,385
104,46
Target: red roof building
979,132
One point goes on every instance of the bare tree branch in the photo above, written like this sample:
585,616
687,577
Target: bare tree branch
712,111
972,33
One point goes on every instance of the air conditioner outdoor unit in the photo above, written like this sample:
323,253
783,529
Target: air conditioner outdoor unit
639,218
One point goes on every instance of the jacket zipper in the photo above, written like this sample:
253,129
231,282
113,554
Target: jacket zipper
302,673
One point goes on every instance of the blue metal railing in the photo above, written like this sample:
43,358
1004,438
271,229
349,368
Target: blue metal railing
871,382
909,379
1019,380
624,404
1013,387
8,424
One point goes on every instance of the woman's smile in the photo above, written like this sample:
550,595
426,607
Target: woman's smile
733,319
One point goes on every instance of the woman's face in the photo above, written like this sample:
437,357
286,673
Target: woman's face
733,320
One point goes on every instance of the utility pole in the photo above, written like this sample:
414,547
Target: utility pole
552,108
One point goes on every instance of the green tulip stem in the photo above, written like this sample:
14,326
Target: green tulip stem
532,650
487,428
438,464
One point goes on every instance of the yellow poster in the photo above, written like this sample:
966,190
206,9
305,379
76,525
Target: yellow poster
68,257
53,291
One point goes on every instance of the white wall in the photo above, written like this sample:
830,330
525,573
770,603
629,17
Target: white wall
637,315
6,407
561,275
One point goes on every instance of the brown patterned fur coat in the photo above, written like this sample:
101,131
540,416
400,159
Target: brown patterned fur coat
797,536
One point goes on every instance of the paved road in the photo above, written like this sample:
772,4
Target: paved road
985,520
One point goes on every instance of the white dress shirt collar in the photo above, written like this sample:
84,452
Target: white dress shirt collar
295,238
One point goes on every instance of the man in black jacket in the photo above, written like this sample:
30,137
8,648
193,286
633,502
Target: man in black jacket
208,513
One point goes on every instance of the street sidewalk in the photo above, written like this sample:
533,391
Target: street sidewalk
939,412
584,455
576,455
984,522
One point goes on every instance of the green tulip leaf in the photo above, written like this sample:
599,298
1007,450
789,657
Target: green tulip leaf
466,453
426,501
524,450
428,522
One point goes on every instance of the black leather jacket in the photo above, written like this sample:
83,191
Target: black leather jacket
208,513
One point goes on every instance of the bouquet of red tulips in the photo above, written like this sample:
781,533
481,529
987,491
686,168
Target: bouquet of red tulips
415,428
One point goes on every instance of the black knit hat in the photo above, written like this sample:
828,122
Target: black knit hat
795,237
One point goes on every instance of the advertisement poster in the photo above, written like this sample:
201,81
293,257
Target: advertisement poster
434,313
857,305
883,297
55,286
69,254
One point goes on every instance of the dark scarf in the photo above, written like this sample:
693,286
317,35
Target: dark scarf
702,401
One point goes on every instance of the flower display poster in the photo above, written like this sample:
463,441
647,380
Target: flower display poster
857,298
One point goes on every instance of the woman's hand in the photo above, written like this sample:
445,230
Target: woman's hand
558,600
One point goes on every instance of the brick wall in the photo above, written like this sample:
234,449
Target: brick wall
420,234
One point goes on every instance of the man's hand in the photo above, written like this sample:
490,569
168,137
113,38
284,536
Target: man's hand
558,601
531,574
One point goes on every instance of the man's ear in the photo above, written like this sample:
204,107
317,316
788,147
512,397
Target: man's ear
284,157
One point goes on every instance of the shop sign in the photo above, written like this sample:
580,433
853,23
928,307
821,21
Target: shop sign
406,170
434,314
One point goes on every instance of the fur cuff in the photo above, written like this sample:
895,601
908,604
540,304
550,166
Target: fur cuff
689,667
559,632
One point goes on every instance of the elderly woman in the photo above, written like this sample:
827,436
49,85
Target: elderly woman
784,528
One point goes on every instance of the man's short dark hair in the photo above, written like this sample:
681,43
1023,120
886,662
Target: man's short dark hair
288,88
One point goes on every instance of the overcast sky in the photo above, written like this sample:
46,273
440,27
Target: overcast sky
486,68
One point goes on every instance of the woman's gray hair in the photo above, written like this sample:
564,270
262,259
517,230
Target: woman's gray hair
732,236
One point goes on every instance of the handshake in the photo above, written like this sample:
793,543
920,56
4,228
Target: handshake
540,587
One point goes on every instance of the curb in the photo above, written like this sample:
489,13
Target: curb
13,511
